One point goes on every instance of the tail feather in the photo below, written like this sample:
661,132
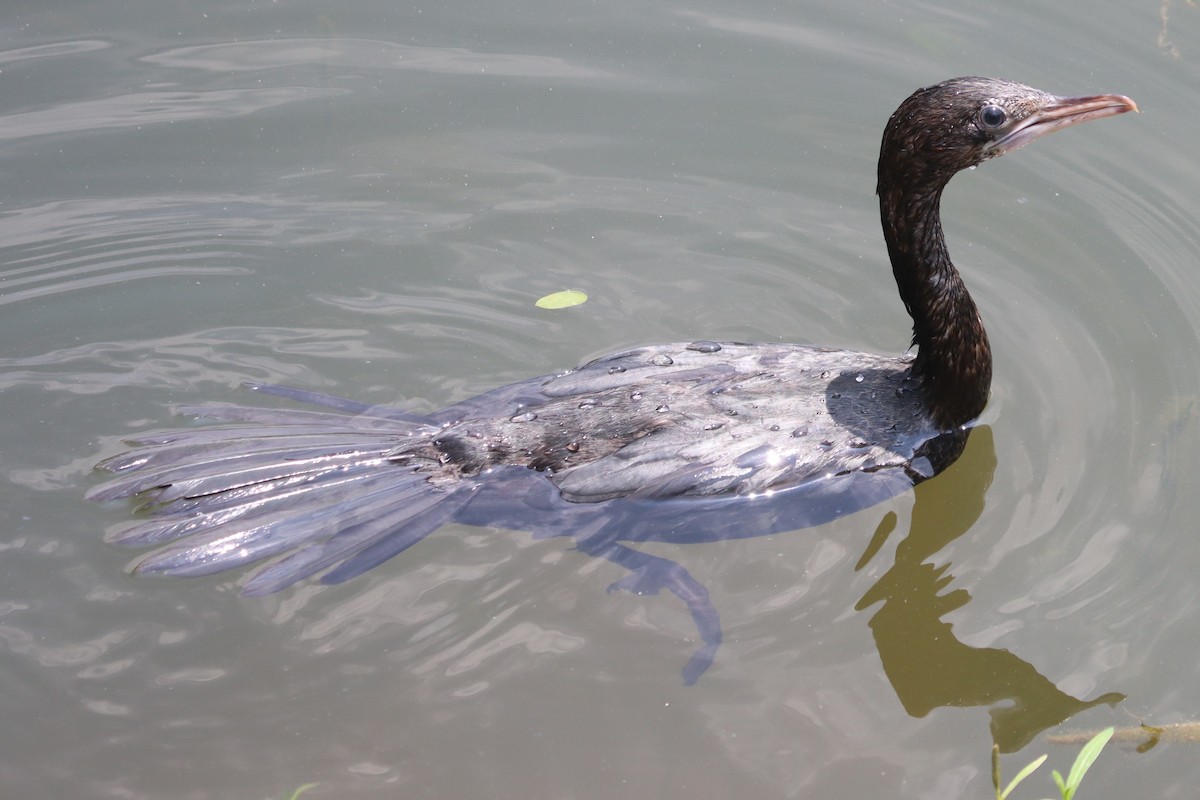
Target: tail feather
234,442
218,475
319,487
226,545
310,466
312,488
383,548
393,531
186,516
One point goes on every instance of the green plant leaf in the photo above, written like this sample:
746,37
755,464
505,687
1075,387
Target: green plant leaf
1087,756
1062,786
563,299
301,789
995,767
1022,775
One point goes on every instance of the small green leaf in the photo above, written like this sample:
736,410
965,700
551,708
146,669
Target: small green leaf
1062,787
995,766
563,299
301,789
1022,775
1087,756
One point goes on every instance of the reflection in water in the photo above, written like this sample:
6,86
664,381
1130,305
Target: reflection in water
927,666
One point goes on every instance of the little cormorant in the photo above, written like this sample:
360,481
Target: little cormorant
679,442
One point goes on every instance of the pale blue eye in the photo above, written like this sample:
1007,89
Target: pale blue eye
992,116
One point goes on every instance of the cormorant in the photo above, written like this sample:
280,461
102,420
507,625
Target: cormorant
680,442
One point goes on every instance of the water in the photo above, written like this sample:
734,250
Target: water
368,201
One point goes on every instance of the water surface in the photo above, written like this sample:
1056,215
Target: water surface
367,200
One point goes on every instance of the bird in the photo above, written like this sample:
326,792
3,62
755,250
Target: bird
686,442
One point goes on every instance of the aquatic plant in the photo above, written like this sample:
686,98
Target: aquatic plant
301,789
1066,788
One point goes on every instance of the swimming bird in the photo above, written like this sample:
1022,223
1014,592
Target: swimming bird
696,441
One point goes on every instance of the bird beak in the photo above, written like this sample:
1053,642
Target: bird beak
1059,113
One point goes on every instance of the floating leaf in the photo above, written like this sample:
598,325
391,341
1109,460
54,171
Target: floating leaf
563,299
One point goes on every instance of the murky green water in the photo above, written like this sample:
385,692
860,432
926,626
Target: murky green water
368,199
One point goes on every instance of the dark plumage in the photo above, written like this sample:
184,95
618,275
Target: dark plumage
681,442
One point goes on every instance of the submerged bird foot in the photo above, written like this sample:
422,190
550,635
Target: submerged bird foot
649,575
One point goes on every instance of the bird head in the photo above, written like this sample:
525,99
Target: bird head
956,124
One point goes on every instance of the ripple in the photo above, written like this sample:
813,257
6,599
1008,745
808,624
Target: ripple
17,640
153,107
56,49
533,638
228,57
191,675
230,356
108,708
77,245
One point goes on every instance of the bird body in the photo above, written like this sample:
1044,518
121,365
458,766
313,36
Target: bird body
700,419
682,442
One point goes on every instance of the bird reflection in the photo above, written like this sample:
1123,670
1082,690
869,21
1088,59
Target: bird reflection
927,666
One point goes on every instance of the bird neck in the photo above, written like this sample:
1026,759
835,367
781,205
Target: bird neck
954,359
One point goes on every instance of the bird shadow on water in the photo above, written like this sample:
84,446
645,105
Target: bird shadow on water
926,664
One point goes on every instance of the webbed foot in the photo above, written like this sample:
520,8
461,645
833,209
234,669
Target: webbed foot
650,574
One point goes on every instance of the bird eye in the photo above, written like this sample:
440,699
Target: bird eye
992,116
